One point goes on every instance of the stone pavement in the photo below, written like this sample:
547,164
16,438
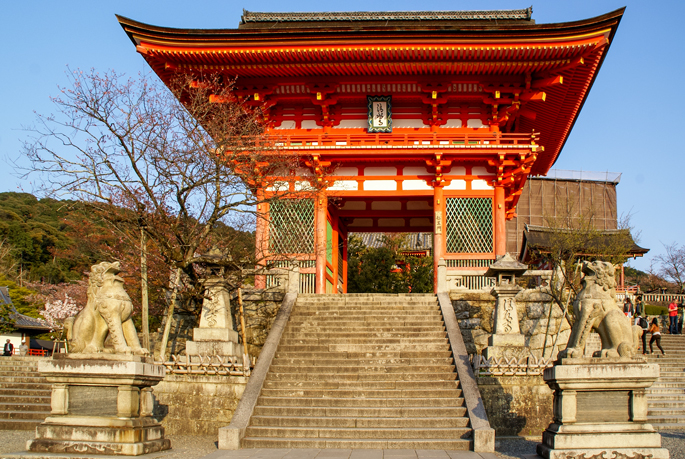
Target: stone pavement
274,453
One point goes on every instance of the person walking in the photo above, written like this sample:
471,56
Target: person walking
8,349
656,336
673,317
639,307
644,325
681,313
628,308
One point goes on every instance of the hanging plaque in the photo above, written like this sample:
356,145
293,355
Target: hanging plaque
380,113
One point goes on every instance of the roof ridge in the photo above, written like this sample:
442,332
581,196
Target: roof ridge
521,14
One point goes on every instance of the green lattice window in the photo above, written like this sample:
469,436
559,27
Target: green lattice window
469,227
291,226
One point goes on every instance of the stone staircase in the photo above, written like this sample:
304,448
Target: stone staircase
24,394
666,397
362,371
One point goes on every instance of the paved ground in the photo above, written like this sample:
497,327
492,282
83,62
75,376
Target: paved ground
191,447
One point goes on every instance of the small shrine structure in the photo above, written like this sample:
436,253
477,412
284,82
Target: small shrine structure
425,121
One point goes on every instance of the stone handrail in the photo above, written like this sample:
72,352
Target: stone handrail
231,436
483,434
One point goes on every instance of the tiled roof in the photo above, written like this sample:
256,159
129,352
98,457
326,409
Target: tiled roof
525,14
21,321
415,241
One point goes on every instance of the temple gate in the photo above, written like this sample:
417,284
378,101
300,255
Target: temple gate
404,121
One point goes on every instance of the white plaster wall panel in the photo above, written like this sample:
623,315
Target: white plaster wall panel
453,123
346,171
386,205
416,185
344,185
420,222
419,205
380,185
480,185
481,171
415,171
278,186
362,222
354,205
287,124
303,185
352,124
310,124
392,171
475,123
391,222
408,124
457,170
456,185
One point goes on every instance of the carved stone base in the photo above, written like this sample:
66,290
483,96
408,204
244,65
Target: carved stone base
100,406
600,411
222,348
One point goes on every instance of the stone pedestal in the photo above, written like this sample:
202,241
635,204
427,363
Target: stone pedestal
216,334
101,405
507,339
600,410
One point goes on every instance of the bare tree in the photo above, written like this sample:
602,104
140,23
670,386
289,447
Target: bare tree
671,264
175,165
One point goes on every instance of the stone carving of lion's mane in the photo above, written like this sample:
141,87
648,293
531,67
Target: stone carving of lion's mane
595,308
108,311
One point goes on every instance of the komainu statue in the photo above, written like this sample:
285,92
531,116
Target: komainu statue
595,308
108,311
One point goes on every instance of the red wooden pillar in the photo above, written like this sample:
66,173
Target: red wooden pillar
261,237
438,231
321,205
500,222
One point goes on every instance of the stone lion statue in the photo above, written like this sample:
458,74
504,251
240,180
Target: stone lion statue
108,311
595,308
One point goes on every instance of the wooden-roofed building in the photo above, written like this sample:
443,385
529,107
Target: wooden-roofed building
432,121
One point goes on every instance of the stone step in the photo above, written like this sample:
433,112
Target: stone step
25,391
326,443
361,393
291,340
671,419
358,347
24,379
667,385
359,402
334,361
361,412
363,385
24,406
20,424
20,399
351,369
370,316
668,425
404,354
324,311
14,385
378,334
359,422
304,331
31,415
358,376
665,412
665,403
364,325
359,433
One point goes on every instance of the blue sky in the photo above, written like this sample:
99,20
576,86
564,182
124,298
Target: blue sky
630,123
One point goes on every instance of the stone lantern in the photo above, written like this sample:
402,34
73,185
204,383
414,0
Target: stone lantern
216,334
506,339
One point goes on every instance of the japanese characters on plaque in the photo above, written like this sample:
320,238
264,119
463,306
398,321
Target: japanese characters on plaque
380,113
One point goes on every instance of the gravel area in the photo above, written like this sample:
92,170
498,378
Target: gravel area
196,447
